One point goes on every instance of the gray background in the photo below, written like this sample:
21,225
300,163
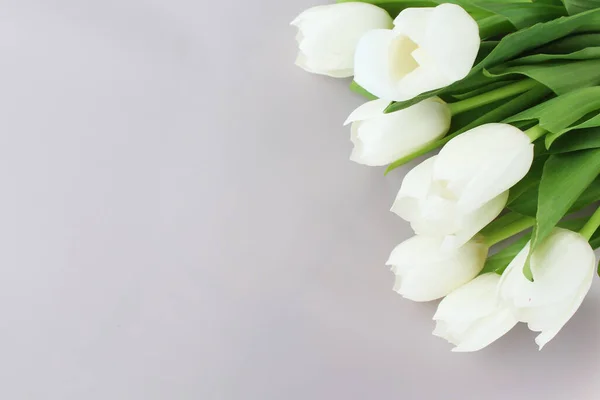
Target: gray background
180,220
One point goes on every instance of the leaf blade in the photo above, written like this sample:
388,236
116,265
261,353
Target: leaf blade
564,179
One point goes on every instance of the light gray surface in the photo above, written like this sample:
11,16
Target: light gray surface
180,220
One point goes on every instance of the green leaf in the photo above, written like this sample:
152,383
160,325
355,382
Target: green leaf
579,6
551,2
523,15
590,120
558,115
570,44
527,203
531,180
476,82
485,49
579,139
589,53
560,76
498,262
590,195
469,119
356,88
564,179
518,43
595,240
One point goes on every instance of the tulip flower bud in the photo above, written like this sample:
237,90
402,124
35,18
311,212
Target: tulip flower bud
380,139
425,272
462,189
428,49
471,317
327,36
563,268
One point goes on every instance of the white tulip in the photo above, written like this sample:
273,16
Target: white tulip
428,48
327,36
425,272
471,317
462,189
380,139
562,267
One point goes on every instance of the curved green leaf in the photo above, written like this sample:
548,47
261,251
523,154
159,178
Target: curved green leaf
571,44
560,76
531,180
523,15
579,139
589,53
498,262
558,115
579,6
564,179
356,88
527,203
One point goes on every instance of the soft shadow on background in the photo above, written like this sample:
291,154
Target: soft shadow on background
180,221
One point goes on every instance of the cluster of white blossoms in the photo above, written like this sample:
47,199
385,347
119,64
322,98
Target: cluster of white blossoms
449,198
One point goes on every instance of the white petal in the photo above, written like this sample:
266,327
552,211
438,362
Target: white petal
471,317
497,177
372,63
441,329
548,334
420,80
387,137
428,273
452,41
413,22
370,109
486,331
513,283
475,221
484,162
415,187
328,35
437,216
470,302
559,265
416,250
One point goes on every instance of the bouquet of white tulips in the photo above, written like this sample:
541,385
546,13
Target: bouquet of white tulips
509,91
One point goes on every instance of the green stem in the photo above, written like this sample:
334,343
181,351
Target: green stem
535,133
591,225
517,225
492,96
